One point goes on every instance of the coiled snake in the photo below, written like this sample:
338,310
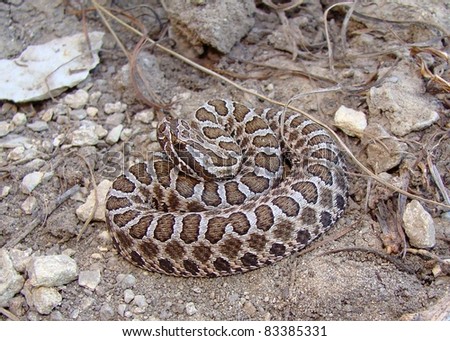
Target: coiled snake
234,191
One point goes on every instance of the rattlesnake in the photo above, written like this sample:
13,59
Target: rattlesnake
266,194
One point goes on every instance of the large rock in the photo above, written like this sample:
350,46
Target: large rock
220,24
419,226
10,280
52,271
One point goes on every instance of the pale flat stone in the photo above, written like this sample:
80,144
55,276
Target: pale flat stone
45,299
51,271
46,70
419,226
84,211
10,280
350,121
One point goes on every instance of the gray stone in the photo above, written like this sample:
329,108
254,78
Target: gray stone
20,258
128,295
403,101
114,120
126,281
191,309
89,278
4,191
14,140
29,205
145,116
10,280
19,119
38,126
419,226
114,135
117,107
220,24
78,114
121,309
85,136
51,271
5,128
106,312
45,299
140,301
77,100
31,181
249,309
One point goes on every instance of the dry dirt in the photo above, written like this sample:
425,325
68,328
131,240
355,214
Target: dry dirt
347,285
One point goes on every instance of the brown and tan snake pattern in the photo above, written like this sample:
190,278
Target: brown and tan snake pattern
233,192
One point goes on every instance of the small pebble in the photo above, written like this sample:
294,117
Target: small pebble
89,278
126,134
91,111
114,135
83,211
51,271
126,281
4,191
94,97
20,258
19,119
117,107
249,309
190,308
78,114
128,295
5,128
47,115
114,120
350,121
31,181
85,136
106,312
419,225
145,116
45,299
29,205
140,301
38,126
77,100
121,309
10,280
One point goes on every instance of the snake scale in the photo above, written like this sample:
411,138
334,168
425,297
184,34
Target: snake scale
235,189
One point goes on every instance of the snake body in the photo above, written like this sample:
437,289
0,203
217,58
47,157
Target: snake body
236,189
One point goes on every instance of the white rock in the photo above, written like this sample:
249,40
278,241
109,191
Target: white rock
100,131
20,258
128,295
126,281
190,308
5,128
14,140
77,100
89,278
38,126
84,211
52,271
31,181
4,191
78,114
17,153
19,119
153,135
106,312
145,116
58,140
350,121
45,299
47,115
419,226
140,301
110,108
114,134
126,134
91,111
49,66
10,280
85,136
29,205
